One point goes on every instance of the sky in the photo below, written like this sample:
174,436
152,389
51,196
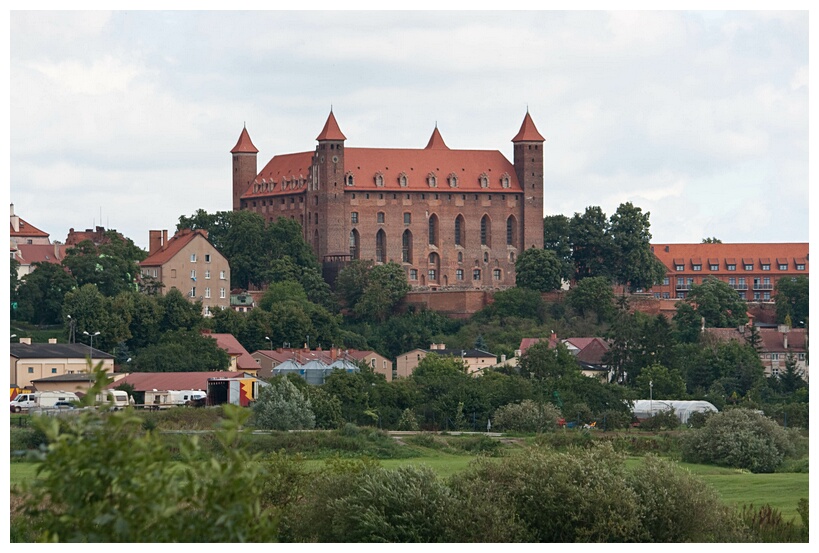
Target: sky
126,119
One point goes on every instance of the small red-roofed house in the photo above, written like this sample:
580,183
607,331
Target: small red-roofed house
240,359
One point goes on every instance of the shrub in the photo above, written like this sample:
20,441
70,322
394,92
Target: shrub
408,420
697,419
613,420
527,416
282,406
738,438
767,525
664,420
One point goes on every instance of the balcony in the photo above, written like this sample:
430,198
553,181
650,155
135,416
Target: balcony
684,287
763,286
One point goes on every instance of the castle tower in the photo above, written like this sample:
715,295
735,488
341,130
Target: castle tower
528,145
325,199
244,166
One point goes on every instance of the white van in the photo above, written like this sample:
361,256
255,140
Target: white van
41,400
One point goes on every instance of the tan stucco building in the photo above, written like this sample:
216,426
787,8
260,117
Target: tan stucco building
476,360
29,362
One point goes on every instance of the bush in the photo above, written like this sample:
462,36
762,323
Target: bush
282,406
664,420
767,525
527,416
408,420
697,419
613,420
738,438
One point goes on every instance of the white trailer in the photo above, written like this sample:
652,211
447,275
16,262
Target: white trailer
115,399
165,399
40,400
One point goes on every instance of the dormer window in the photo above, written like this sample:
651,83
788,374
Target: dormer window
453,180
432,180
349,179
505,180
402,180
483,180
379,179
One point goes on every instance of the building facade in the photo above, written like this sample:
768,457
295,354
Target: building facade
32,361
751,269
189,263
454,219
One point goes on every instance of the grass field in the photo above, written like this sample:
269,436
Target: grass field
780,490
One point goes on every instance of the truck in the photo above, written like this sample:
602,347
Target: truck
41,400
114,399
165,399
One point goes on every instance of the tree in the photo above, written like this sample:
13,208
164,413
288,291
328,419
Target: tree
182,351
687,322
556,238
352,280
527,416
660,382
635,265
144,492
514,302
592,249
791,378
792,299
538,270
711,240
92,312
718,303
15,283
593,294
386,287
113,266
178,313
544,362
282,406
41,293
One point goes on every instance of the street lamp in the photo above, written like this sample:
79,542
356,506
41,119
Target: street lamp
71,335
271,342
91,342
651,397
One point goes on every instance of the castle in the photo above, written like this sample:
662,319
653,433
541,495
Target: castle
454,219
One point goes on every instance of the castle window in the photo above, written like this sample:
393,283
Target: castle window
476,274
402,179
406,247
379,179
354,217
407,218
433,229
460,257
459,230
486,257
354,244
413,274
504,180
459,274
432,180
381,246
511,231
483,180
486,231
453,180
496,274
379,217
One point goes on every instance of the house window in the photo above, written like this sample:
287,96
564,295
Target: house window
800,267
756,296
496,274
193,274
221,275
31,370
222,293
766,267
680,295
459,274
207,275
476,274
354,217
766,295
666,295
53,370
207,258
714,267
749,267
193,258
732,282
732,267
666,281
207,293
407,218
413,274
679,267
697,267
193,292
379,217
783,267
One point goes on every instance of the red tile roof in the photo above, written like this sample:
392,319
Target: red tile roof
436,141
173,247
40,253
331,130
173,381
750,253
528,131
244,145
229,343
772,341
26,230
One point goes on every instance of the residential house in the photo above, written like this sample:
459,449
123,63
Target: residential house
589,352
189,263
240,359
776,344
476,360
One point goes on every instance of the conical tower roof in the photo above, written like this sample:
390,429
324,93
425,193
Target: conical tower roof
244,145
436,141
528,131
331,130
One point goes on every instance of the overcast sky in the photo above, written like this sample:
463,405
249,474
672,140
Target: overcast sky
701,118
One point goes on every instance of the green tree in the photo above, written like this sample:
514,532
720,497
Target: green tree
687,323
556,238
14,282
593,294
113,266
541,361
93,312
527,416
635,265
41,293
792,299
386,288
660,382
791,378
282,406
279,292
352,280
178,313
538,270
514,302
592,249
181,351
326,407
718,303
143,492
711,240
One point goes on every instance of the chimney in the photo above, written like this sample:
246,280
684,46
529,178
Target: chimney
52,340
56,250
15,220
164,237
518,352
333,354
154,241
26,341
553,337
785,340
503,358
